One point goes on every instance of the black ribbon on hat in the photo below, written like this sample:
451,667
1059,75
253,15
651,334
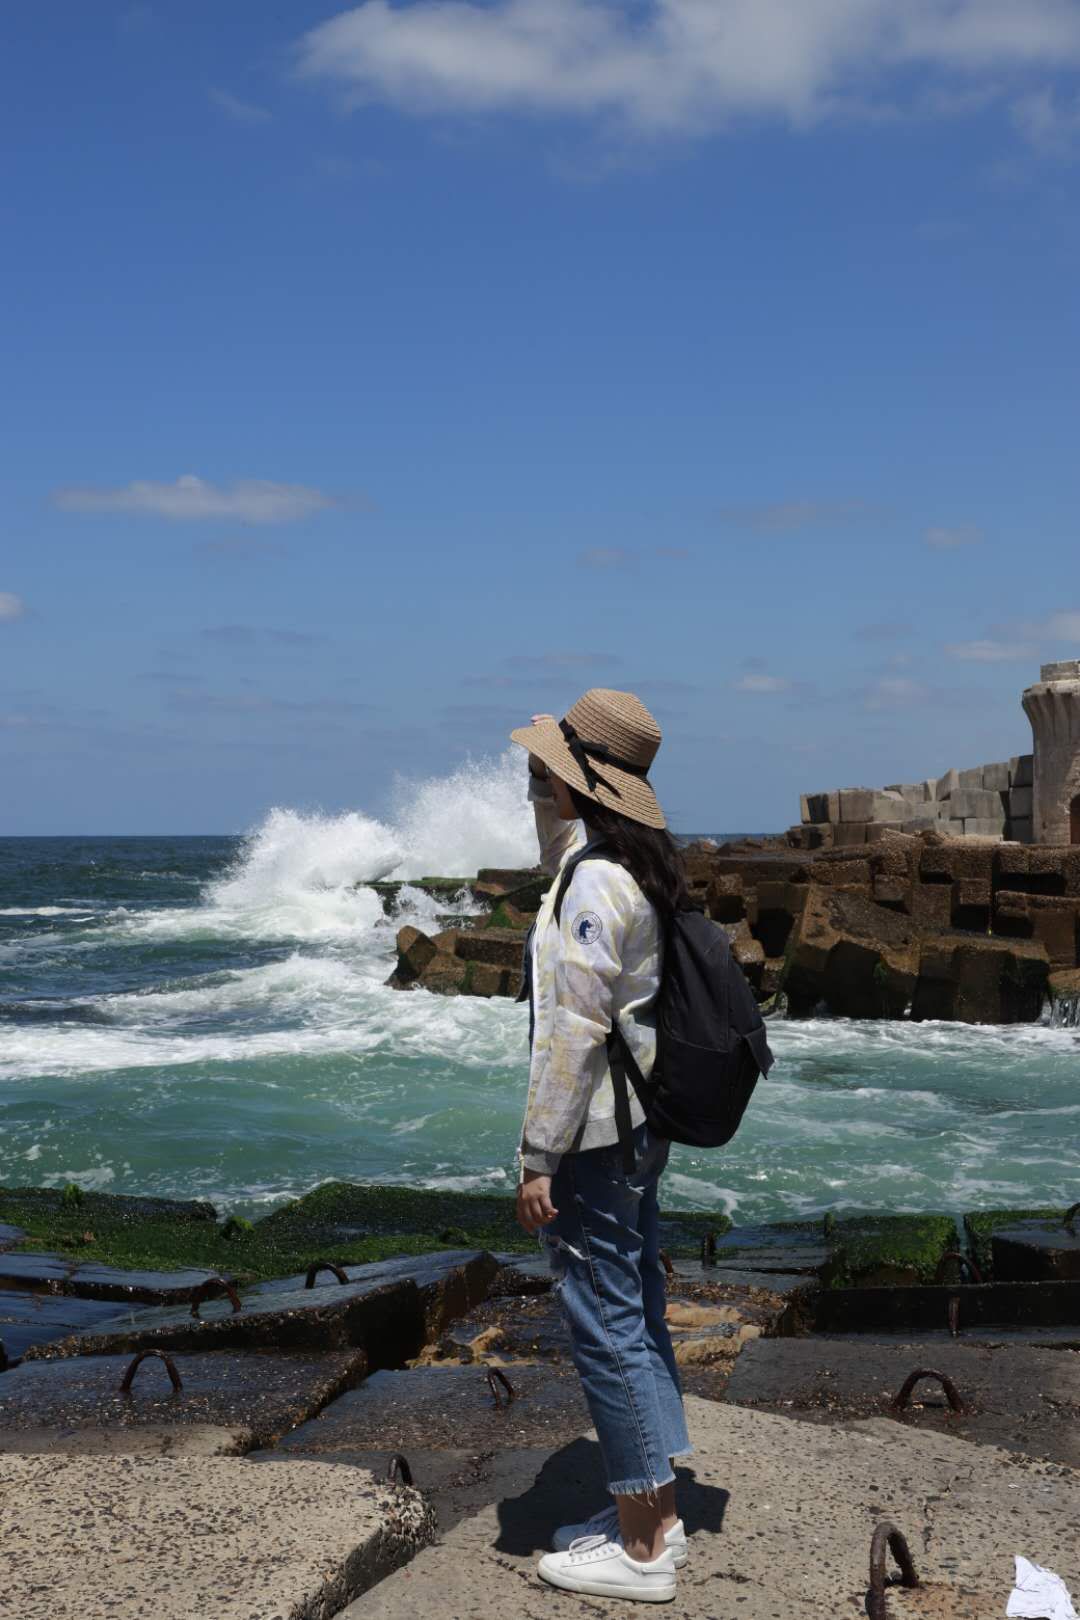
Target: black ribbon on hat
584,752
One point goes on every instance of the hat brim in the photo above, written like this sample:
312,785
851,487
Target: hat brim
632,796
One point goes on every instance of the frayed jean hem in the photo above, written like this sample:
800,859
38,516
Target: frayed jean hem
639,1487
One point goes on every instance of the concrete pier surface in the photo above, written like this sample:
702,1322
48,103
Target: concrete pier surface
130,1538
780,1516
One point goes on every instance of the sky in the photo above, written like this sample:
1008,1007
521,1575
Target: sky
377,378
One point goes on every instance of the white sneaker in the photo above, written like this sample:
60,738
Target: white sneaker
606,1523
601,1568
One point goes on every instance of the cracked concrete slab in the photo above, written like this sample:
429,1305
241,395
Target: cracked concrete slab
780,1515
227,1403
122,1538
1021,1398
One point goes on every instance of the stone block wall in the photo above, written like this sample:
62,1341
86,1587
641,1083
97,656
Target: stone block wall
987,801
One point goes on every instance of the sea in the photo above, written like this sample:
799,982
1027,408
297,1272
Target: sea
209,1017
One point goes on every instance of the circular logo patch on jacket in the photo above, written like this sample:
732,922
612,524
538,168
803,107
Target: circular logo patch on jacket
587,927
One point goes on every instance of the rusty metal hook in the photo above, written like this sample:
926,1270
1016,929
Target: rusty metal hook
323,1265
495,1377
1070,1215
667,1263
962,1260
708,1249
159,1355
399,1469
951,1392
213,1288
887,1535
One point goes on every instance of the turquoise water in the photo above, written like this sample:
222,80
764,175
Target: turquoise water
208,1017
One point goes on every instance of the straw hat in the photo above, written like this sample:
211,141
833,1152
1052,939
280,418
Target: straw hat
604,749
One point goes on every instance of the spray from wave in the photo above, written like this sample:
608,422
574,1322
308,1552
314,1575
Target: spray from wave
296,875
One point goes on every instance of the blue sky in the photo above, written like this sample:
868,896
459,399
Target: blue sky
376,378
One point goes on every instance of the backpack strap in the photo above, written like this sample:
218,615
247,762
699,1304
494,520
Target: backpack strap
587,853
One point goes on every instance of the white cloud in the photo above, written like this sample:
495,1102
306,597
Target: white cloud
991,651
1049,122
11,606
895,692
191,499
762,683
947,539
241,112
788,517
667,66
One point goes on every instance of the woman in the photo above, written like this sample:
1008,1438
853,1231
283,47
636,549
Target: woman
597,966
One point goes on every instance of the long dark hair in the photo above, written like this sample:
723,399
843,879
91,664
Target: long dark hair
650,854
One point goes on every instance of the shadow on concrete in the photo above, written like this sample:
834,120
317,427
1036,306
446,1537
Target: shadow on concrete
571,1486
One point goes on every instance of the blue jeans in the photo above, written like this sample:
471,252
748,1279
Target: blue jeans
604,1248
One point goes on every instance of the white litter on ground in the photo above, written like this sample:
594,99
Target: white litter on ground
1039,1594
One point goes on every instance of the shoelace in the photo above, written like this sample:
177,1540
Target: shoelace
604,1524
586,1546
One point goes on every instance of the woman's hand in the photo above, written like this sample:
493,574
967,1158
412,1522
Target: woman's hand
534,1206
536,765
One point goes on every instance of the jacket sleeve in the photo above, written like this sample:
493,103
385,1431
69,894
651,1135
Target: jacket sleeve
555,836
577,966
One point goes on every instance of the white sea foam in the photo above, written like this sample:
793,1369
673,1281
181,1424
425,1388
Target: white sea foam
45,911
296,875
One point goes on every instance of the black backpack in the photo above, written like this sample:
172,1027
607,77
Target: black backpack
710,1037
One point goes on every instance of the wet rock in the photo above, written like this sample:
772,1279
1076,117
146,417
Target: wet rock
494,881
384,1318
128,1537
857,957
450,1282
444,975
45,1272
1036,1251
58,1274
792,1248
972,980
415,950
227,1405
495,947
29,1319
916,1312
389,1308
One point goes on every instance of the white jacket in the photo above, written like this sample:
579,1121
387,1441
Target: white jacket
603,963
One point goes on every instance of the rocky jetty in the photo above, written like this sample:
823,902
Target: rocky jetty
288,1440
907,925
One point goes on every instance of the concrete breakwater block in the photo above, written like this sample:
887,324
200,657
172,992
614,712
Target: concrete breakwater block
58,1274
226,1405
464,1450
1012,1396
28,1319
123,1538
384,1319
782,1248
450,1282
920,1310
1036,1251
780,1516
